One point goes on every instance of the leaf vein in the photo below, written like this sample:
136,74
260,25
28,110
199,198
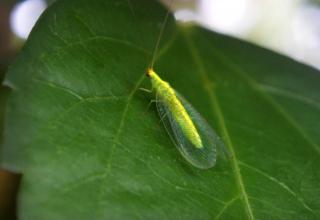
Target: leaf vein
111,39
291,95
280,183
217,109
255,85
183,188
84,24
117,135
225,207
56,86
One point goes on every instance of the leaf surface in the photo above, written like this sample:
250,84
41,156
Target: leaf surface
89,148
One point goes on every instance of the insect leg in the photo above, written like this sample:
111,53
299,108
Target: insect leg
146,90
150,103
162,117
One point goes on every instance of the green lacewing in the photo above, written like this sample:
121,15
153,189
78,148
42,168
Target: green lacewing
188,130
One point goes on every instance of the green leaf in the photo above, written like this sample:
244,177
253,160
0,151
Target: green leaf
90,148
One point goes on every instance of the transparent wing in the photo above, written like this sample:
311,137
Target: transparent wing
204,157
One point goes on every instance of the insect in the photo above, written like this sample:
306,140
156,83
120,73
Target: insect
191,134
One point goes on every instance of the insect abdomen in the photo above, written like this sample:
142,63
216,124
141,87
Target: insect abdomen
182,117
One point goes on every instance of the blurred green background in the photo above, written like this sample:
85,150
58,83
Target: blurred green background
290,27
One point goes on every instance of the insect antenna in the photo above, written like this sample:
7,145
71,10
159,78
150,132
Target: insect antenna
155,50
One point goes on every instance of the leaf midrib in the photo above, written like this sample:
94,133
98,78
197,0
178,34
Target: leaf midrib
256,86
217,110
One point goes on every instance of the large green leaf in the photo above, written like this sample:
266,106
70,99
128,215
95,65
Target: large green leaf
89,148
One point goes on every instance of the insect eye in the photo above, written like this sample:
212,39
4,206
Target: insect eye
148,73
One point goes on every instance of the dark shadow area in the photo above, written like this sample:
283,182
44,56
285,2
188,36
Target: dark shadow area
9,184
